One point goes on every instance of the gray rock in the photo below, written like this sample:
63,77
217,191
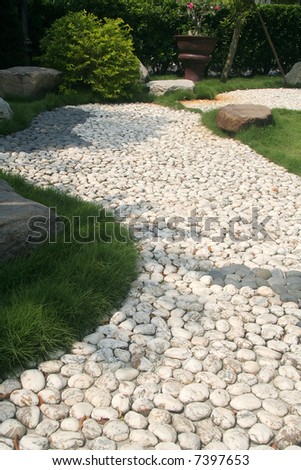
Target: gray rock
143,437
189,441
247,401
28,82
102,443
160,87
55,412
12,428
135,420
65,440
81,410
5,110
7,410
116,430
197,411
293,77
18,235
236,439
287,436
260,434
91,429
33,442
194,392
164,432
47,427
29,416
167,402
223,417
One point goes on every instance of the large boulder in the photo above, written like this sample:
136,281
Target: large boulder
28,82
160,87
24,224
293,77
5,110
236,117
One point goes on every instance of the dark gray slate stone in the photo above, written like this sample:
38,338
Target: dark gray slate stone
19,220
28,82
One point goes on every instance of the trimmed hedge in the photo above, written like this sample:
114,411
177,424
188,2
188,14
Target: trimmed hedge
154,24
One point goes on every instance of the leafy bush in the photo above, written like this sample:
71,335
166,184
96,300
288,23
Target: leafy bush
92,53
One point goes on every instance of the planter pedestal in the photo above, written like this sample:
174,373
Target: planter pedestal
195,54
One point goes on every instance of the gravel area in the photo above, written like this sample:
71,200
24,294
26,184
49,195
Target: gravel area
205,352
285,98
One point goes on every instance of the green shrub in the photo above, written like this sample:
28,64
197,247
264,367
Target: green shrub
92,53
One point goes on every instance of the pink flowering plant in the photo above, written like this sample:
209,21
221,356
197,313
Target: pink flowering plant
196,15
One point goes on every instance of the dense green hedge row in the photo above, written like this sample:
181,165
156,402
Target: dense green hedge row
154,24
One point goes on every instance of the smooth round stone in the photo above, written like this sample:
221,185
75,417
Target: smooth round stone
266,374
83,349
6,444
207,431
12,428
292,397
236,439
33,442
260,434
167,402
246,419
283,383
245,355
178,353
193,365
271,421
264,391
249,379
265,291
194,393
65,440
164,432
7,410
91,429
72,395
182,424
50,396
33,380
287,436
275,407
189,441
56,412
102,443
290,373
102,415
183,376
116,430
159,416
167,446
239,389
212,380
107,381
51,367
251,367
56,381
219,397
47,427
29,416
8,386
143,437
92,369
143,406
69,370
81,381
197,411
247,401
171,387
81,410
121,403
98,397
223,418
135,420
127,388
70,424
126,374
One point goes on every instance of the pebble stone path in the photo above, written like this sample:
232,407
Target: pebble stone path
205,352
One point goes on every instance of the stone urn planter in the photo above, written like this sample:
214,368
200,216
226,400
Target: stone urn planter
195,54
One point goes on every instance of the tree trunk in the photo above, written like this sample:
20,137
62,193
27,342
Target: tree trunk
232,50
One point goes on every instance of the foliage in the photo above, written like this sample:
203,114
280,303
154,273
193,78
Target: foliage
92,53
12,50
62,290
194,16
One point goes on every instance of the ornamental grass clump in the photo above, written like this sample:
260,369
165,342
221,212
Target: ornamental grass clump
93,54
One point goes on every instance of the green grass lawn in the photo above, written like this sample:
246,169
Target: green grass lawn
61,291
280,143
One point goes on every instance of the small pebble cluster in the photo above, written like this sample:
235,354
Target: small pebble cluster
205,352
